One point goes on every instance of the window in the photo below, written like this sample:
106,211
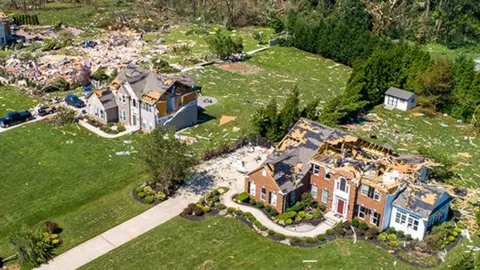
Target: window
371,192
412,223
150,108
252,188
134,102
374,218
315,169
342,185
122,115
327,173
377,195
365,189
324,196
150,126
362,211
264,172
144,123
121,98
314,191
102,114
263,194
273,198
400,218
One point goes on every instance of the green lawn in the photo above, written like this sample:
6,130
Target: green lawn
278,70
441,51
67,175
12,100
225,243
415,132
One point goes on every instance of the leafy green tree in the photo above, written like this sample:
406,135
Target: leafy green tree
354,14
466,261
165,159
223,45
275,22
310,111
100,75
290,112
435,86
291,20
466,92
31,247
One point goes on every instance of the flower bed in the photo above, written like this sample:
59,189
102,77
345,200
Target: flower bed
149,193
207,205
110,128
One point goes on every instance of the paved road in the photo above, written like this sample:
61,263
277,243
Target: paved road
37,118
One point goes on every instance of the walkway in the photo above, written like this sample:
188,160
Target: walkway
103,134
267,222
117,236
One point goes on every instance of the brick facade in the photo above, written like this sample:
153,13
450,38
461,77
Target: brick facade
264,180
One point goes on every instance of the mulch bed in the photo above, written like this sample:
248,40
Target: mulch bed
213,212
142,200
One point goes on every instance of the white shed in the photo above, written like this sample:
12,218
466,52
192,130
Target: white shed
400,99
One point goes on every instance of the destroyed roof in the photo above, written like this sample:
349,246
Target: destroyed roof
143,81
290,160
420,199
399,93
108,100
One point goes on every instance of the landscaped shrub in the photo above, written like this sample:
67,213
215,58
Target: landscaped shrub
317,214
160,196
197,211
382,237
299,206
400,234
391,230
392,237
141,195
149,199
252,201
215,198
54,236
451,238
439,233
268,208
206,209
363,226
393,243
408,237
455,234
51,227
310,240
287,215
149,190
458,230
308,217
55,242
355,222
294,240
243,197
221,206
138,189
330,232
230,210
346,225
339,229
288,221
280,236
187,211
271,232
259,205
257,224
250,217
301,214
372,232
322,207
238,212
263,228
321,237
298,218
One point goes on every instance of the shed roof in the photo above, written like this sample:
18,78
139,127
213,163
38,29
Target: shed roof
420,199
108,100
399,93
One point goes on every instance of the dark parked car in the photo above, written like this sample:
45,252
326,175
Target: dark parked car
14,118
74,101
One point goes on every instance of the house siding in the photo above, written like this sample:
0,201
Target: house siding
124,106
400,104
270,186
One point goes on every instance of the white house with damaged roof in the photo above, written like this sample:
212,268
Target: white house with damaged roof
102,106
418,208
147,100
399,99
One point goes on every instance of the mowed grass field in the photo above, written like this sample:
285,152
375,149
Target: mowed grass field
253,83
66,175
12,100
225,243
407,133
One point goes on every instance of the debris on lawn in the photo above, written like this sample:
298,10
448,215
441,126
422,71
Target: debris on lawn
226,119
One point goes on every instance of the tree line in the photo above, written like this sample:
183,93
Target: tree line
30,19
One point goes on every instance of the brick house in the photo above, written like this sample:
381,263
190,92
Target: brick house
353,178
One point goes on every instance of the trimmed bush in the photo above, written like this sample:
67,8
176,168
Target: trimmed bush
243,197
54,236
458,230
451,238
392,237
460,226
408,237
363,226
257,224
339,229
321,237
187,211
197,211
454,234
287,215
346,225
298,219
400,234
55,242
149,199
301,214
250,217
230,210
393,243
239,212
221,206
322,208
310,240
268,208
141,195
271,232
308,217
263,228
259,205
294,240
373,230
391,230
317,214
161,196
382,237
138,189
330,232
252,201
206,209
355,222
288,221
280,236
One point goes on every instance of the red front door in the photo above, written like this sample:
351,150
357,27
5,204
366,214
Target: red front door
340,205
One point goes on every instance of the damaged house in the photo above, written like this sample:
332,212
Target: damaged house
353,178
146,100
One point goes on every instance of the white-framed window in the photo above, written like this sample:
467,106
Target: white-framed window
150,127
144,123
252,188
263,194
342,184
150,108
264,172
327,173
413,223
102,114
377,195
316,169
273,198
121,98
314,191
134,103
324,196
122,115
362,211
374,218
400,218
365,189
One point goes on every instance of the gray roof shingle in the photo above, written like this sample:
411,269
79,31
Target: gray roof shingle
399,93
421,200
108,100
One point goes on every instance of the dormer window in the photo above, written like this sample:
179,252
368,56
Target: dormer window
316,169
327,173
